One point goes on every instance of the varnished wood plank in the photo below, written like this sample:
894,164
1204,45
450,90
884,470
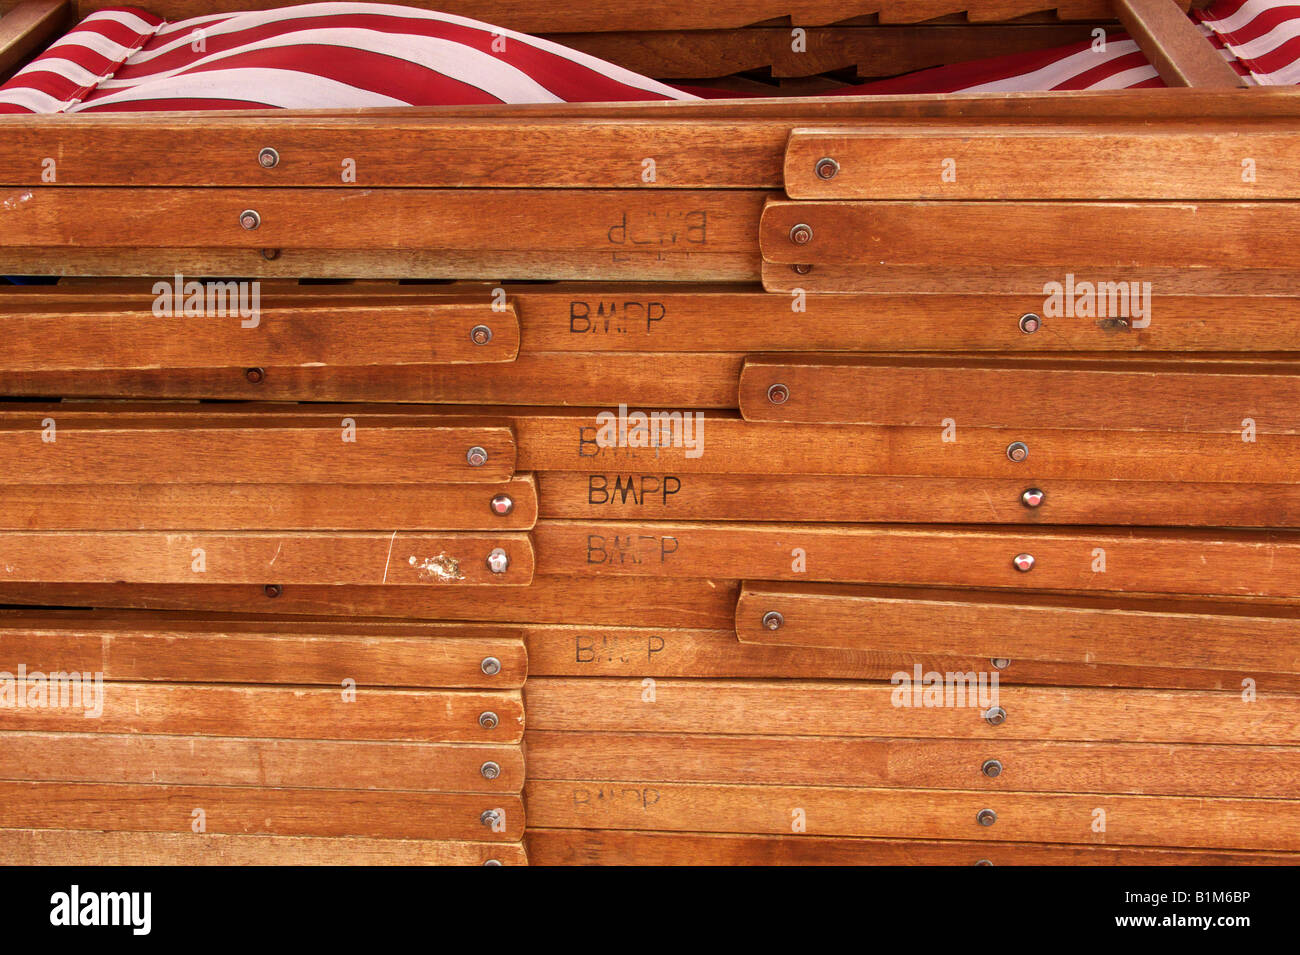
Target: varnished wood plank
1176,48
222,336
267,763
55,445
268,506
1067,630
168,709
79,847
1043,163
1059,394
794,708
1268,824
663,494
1024,766
312,652
623,847
240,810
1265,564
1116,240
26,28
250,557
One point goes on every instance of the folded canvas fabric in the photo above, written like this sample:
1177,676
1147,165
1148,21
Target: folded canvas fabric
343,55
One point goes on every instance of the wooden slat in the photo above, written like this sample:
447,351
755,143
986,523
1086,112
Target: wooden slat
1026,766
623,847
267,507
230,809
438,716
213,448
1055,394
1264,564
1103,241
1176,48
274,763
429,333
796,708
26,28
1042,163
663,495
1066,630
312,652
1269,824
248,557
74,847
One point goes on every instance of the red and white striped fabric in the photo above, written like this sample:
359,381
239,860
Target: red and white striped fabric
340,55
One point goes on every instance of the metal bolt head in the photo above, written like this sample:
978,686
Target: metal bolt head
992,768
826,168
1023,562
254,375
488,720
801,269
1000,663
1032,497
490,770
273,590
270,254
489,817
1017,451
801,234
986,817
498,862
268,158
772,620
490,665
480,334
778,394
502,504
498,560
995,716
249,219
476,456
977,862
1030,323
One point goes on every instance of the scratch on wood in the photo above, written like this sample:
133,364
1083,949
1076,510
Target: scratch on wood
389,559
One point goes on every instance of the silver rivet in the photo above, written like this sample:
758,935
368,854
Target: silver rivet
778,394
978,862
488,720
801,234
249,219
476,457
1017,451
490,665
498,560
490,817
497,862
1000,663
1023,562
268,158
1030,323
490,770
502,504
826,168
995,716
986,817
480,334
991,768
772,620
1032,497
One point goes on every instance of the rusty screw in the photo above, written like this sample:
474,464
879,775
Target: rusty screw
480,334
273,590
826,168
1017,451
772,620
801,269
268,158
801,234
488,720
490,770
254,375
986,817
249,219
498,560
476,456
778,394
1030,323
270,254
992,768
502,504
